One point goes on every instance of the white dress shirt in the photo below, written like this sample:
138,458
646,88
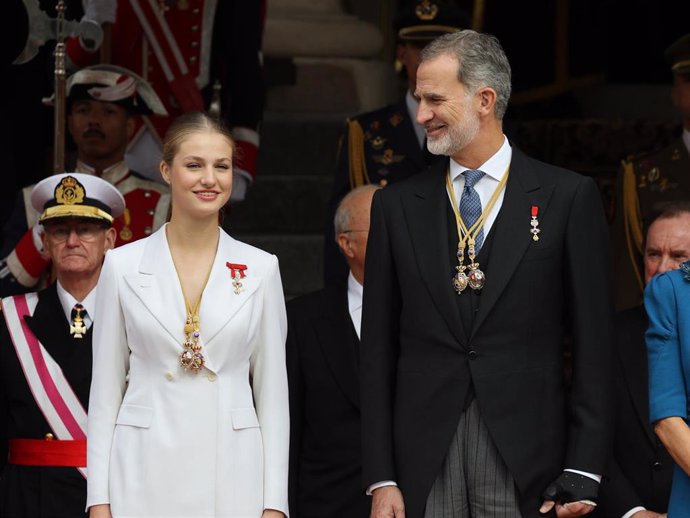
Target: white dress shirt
495,169
354,302
67,301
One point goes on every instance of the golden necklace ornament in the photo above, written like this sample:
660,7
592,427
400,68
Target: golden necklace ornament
191,359
470,274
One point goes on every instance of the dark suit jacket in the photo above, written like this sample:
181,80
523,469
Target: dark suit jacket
641,469
30,491
419,360
325,436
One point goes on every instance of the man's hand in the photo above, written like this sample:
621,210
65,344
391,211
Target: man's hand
568,510
100,511
648,514
387,502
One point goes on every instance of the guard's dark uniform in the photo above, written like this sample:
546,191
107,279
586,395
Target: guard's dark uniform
40,491
379,147
646,181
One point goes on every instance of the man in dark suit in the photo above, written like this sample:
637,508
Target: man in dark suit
464,404
386,146
45,353
323,375
638,481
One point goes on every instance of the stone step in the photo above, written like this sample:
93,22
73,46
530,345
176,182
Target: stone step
299,145
300,258
282,204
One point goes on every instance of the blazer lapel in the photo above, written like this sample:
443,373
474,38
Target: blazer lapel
157,285
426,209
50,327
219,302
512,238
337,339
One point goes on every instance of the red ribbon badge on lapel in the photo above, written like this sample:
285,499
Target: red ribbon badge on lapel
534,223
237,273
236,269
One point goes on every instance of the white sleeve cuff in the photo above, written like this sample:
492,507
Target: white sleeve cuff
633,511
383,483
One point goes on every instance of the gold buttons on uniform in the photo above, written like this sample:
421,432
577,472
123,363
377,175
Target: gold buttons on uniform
147,194
49,436
383,182
212,376
148,231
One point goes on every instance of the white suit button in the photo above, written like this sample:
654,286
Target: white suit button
169,376
212,376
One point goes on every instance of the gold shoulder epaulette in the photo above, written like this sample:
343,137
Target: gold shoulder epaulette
632,219
358,165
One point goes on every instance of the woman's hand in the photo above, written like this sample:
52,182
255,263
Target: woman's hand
100,511
674,433
268,513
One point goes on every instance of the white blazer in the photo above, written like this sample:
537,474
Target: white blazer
164,442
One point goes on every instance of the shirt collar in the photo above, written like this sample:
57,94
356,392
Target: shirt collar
495,167
113,174
354,293
67,301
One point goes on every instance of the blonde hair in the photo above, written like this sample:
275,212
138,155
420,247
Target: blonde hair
188,124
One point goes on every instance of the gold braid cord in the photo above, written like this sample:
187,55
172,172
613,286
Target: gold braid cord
358,166
632,219
478,15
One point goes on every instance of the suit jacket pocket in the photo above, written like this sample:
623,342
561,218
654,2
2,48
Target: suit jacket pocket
135,415
244,418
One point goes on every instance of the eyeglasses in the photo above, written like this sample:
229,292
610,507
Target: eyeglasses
85,232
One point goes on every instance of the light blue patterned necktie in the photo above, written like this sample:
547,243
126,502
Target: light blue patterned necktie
471,205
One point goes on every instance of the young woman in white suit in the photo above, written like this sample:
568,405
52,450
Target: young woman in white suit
188,412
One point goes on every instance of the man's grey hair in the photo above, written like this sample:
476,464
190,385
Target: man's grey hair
482,63
343,214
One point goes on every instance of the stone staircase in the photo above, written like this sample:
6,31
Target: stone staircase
285,210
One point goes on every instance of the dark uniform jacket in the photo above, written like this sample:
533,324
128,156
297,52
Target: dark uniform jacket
379,147
641,469
325,437
651,180
37,491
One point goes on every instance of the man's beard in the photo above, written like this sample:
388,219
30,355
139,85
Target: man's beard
456,137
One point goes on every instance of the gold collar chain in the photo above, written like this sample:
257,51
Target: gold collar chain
475,279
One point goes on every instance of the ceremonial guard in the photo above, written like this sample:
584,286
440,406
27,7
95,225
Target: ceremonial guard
649,181
102,104
187,50
388,145
45,353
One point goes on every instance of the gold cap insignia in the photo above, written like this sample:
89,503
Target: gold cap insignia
69,191
426,10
